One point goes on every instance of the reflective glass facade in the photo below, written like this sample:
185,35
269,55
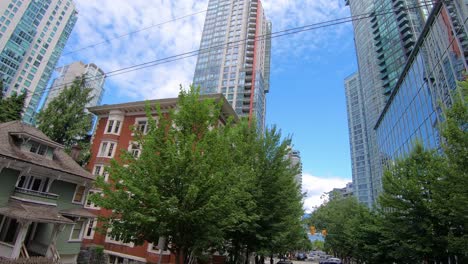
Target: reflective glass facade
413,111
234,55
383,43
32,37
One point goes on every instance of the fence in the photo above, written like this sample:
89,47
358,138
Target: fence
32,260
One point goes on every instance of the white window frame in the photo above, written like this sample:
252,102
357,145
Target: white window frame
81,231
102,171
109,239
154,249
82,197
103,153
113,126
92,206
137,126
131,149
91,236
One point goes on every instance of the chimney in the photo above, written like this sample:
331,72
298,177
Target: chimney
75,152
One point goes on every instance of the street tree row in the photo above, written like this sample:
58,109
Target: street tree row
422,214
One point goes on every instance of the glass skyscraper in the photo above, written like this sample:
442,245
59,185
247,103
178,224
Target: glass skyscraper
32,37
385,32
429,79
410,56
234,56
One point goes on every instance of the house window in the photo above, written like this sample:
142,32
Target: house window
113,127
79,194
107,149
38,148
89,204
90,228
77,230
33,183
9,229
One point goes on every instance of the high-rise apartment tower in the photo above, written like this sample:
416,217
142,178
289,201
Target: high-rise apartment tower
358,139
234,56
93,78
385,35
32,37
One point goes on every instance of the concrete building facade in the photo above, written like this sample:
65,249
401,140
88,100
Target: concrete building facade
234,56
358,139
93,78
33,35
295,157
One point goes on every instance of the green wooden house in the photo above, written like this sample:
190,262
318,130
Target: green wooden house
42,196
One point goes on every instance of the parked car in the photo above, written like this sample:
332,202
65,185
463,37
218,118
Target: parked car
331,261
301,256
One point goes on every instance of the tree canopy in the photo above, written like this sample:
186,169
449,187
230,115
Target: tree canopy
422,212
11,108
65,119
203,186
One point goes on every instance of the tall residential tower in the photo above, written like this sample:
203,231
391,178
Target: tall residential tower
384,36
32,37
94,79
234,55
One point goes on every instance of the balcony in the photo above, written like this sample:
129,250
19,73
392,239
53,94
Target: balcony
35,196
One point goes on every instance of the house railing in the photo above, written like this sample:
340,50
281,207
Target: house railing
35,196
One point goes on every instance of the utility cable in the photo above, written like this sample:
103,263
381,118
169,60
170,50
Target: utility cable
193,53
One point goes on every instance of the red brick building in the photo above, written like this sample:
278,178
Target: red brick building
113,134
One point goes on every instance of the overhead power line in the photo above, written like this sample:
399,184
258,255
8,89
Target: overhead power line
137,31
193,53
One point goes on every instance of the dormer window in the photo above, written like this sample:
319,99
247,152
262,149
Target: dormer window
37,148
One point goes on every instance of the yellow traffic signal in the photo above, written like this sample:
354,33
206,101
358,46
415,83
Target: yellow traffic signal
324,232
312,230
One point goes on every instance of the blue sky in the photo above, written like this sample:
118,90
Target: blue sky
306,98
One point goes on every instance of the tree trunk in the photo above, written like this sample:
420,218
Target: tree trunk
180,256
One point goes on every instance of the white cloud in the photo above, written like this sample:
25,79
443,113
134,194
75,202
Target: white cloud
107,19
316,186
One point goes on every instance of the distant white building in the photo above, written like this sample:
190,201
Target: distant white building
295,157
342,192
94,78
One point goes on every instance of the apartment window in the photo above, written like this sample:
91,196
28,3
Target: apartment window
141,125
90,228
107,149
89,204
135,149
116,239
113,126
79,194
77,230
8,229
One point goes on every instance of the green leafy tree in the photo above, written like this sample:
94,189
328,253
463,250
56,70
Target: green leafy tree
11,108
177,188
65,120
407,206
452,194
